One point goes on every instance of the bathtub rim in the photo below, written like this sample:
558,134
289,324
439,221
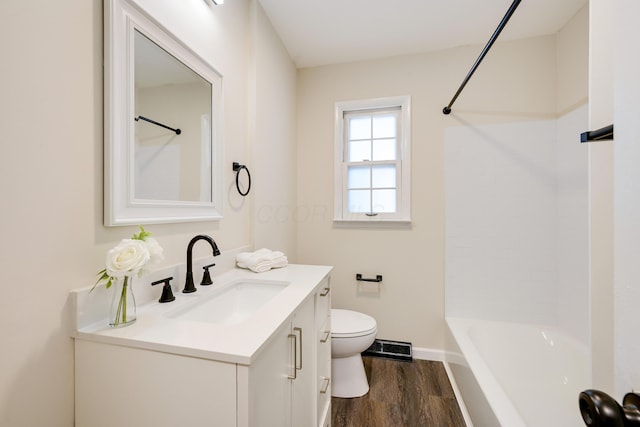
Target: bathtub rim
500,403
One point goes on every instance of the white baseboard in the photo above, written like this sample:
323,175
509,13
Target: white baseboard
422,353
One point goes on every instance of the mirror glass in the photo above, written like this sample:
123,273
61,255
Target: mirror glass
172,127
163,139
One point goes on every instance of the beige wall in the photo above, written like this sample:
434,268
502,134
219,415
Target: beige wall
52,237
274,151
50,170
517,81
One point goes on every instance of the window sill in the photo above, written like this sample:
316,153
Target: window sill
373,223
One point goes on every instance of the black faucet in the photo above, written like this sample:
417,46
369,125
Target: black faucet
599,409
188,285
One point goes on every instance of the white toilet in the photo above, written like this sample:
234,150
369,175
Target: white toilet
351,334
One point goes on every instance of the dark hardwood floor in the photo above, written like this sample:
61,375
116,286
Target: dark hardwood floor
401,394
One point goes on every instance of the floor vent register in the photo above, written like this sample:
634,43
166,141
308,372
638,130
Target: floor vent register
390,349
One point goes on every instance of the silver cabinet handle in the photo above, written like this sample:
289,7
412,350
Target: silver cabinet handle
327,334
325,292
299,330
325,386
295,356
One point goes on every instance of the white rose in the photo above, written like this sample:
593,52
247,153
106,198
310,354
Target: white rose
156,255
127,258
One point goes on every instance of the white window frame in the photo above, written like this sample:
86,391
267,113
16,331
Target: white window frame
403,213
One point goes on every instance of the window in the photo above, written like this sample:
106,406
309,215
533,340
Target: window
372,160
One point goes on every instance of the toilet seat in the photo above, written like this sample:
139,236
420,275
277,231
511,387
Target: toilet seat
349,324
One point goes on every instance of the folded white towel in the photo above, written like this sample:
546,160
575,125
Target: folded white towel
261,260
260,255
263,266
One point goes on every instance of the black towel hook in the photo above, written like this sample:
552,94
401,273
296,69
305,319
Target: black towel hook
237,167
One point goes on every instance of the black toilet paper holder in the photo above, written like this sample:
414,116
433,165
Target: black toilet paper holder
362,279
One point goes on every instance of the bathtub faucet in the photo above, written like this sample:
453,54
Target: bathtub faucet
598,409
188,285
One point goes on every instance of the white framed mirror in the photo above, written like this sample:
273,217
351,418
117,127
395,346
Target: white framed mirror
163,124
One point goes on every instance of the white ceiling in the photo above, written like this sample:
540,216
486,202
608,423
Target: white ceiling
320,32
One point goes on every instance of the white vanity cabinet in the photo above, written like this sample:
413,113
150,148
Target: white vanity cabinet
127,377
132,387
289,384
280,384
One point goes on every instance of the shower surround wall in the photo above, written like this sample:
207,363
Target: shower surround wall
516,222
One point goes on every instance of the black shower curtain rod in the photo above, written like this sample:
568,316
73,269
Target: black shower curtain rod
507,16
146,119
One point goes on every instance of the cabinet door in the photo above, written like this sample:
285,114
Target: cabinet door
124,386
304,397
270,387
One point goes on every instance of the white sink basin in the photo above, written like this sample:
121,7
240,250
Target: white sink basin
235,303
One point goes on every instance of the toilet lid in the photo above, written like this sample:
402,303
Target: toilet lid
347,323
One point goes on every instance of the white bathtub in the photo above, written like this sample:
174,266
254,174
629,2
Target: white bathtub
517,375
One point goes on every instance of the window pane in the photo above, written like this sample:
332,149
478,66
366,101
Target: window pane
359,151
384,201
384,149
384,126
359,201
359,177
384,176
372,160
360,128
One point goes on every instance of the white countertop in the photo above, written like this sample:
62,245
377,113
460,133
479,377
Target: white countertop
236,343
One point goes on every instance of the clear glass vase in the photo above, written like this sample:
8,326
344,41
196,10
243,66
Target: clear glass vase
123,305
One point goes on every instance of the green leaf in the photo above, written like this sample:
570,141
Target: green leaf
102,276
142,235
